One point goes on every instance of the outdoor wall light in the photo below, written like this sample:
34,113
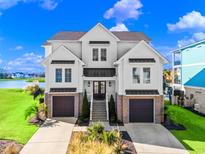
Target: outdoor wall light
88,83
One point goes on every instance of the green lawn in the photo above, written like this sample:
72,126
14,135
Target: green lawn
13,125
194,137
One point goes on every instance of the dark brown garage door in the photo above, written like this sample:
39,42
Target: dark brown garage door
63,106
141,110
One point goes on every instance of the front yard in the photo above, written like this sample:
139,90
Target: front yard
193,138
13,126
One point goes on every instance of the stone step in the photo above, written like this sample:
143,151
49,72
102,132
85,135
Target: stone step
99,114
96,120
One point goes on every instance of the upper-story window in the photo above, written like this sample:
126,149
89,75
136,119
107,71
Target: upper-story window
95,54
103,54
68,75
177,58
146,75
58,75
136,75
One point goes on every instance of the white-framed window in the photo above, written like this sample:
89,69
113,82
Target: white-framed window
146,75
103,54
136,74
58,75
95,54
68,75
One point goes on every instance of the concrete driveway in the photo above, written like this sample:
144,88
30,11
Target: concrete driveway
154,139
51,138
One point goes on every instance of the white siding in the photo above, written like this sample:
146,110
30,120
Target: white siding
125,71
76,81
99,34
124,47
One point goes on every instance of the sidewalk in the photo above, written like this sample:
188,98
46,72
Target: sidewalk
52,137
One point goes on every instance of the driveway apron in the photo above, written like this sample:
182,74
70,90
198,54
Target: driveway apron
154,139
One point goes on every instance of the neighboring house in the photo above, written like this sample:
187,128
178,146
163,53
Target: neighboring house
189,72
18,75
104,63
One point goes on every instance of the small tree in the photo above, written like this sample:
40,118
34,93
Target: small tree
112,111
85,109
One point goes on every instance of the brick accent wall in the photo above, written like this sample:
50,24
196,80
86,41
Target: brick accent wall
48,101
123,101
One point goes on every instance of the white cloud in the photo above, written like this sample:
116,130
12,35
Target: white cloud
49,4
195,37
124,9
193,20
27,62
17,48
119,27
46,4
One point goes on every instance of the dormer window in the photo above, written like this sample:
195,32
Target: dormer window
95,54
103,54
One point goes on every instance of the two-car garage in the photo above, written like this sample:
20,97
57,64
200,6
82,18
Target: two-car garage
63,106
141,110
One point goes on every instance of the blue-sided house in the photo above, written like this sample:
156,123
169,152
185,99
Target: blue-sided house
188,65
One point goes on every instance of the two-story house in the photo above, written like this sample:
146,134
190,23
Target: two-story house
188,65
104,63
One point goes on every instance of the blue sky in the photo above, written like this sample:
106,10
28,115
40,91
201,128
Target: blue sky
26,24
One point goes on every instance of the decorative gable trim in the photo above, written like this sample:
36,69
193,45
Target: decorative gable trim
99,42
63,62
142,60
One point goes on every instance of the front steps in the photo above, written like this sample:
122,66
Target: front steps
99,111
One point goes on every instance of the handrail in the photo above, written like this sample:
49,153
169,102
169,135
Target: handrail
91,107
107,108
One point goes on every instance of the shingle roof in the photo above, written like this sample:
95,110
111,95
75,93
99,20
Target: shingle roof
124,36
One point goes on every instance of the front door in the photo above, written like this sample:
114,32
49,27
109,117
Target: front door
99,90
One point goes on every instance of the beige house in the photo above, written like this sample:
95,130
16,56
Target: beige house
104,63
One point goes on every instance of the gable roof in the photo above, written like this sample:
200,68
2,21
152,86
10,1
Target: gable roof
150,47
189,46
122,36
68,51
104,28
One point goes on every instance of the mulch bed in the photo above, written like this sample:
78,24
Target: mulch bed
170,125
126,139
5,143
116,123
82,122
194,111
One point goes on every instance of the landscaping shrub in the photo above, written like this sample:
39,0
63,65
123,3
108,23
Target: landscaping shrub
112,111
37,113
86,107
97,132
79,146
32,88
97,141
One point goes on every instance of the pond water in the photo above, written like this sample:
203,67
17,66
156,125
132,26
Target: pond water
17,84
